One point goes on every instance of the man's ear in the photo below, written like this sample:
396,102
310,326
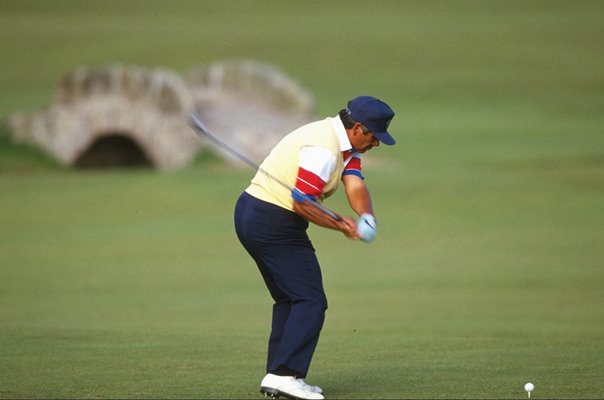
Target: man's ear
357,128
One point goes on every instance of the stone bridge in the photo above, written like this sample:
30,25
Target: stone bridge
131,116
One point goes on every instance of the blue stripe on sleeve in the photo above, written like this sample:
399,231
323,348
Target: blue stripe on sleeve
355,172
301,197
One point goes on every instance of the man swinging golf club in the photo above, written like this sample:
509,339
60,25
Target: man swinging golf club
273,214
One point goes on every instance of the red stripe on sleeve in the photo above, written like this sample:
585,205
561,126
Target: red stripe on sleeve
309,183
354,163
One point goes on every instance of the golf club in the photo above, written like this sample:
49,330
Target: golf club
197,124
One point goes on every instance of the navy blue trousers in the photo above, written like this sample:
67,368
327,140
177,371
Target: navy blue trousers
277,241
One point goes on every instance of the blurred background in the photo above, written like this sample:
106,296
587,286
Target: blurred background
487,271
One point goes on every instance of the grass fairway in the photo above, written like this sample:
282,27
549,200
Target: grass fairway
487,271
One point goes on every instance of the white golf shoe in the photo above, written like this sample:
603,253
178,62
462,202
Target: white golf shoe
288,386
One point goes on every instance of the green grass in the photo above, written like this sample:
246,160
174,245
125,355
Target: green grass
18,158
487,271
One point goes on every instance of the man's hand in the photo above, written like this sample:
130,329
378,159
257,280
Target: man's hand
348,227
367,228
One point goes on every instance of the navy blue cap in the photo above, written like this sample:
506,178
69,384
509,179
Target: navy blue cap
374,114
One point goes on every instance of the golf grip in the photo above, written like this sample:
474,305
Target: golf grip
199,127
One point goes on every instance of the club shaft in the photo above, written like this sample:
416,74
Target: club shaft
199,127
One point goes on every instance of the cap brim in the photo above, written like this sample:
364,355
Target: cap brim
384,137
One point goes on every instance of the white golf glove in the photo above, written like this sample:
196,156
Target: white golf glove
367,227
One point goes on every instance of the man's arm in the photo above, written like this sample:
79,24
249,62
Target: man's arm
312,214
357,194
359,199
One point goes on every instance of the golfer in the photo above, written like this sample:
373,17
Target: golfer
273,214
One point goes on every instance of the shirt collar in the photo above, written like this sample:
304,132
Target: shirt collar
338,127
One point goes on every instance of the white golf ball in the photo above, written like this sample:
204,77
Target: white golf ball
529,387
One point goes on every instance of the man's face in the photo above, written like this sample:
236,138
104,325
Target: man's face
362,140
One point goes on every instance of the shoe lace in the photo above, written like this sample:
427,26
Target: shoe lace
305,385
302,382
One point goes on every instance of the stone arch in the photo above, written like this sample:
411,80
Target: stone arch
250,105
113,149
146,106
